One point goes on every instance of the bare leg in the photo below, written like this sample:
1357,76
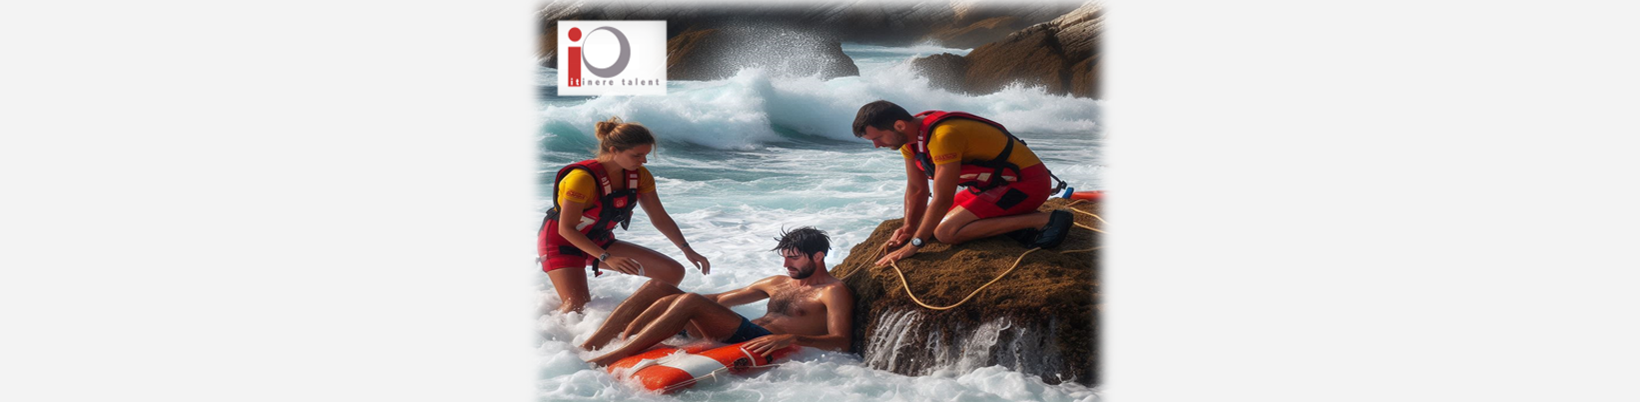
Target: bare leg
960,225
629,309
571,284
655,265
688,307
655,310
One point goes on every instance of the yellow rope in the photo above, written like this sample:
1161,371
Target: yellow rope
1089,228
907,285
1101,220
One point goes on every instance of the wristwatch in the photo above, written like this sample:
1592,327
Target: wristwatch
916,242
601,258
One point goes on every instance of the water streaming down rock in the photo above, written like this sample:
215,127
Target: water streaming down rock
1041,319
895,347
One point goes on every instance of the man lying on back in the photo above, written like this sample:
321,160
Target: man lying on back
807,307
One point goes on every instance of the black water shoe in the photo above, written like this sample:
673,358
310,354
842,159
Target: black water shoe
1059,225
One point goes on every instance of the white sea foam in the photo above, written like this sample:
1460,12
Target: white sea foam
746,110
745,157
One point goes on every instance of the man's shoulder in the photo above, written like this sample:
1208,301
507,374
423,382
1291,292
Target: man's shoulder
837,287
770,280
962,126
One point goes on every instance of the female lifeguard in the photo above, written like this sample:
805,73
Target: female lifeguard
591,198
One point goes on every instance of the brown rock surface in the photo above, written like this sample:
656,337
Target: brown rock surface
975,34
1081,32
1061,56
943,70
1033,56
888,24
1041,318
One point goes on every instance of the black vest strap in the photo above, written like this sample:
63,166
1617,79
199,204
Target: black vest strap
608,212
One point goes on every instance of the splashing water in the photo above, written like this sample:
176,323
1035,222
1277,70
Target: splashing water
742,158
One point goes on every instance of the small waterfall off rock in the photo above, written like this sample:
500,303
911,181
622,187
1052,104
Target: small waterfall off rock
1041,319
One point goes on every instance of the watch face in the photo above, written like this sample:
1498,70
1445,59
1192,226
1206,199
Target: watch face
917,241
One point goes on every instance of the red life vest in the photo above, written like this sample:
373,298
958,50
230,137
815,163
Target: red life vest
976,175
598,220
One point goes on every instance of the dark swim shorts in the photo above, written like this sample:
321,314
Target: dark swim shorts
747,331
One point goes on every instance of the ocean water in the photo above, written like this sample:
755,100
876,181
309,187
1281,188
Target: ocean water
741,158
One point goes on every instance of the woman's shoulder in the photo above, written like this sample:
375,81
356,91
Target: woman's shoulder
577,175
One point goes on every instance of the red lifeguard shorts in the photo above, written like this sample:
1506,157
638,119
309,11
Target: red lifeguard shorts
1019,197
557,253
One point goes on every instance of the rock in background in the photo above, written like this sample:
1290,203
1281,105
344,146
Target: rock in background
1061,55
963,24
710,54
1040,319
946,71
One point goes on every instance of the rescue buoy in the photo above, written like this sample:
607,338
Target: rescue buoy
1087,195
668,369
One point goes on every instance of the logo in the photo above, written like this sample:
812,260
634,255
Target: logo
611,58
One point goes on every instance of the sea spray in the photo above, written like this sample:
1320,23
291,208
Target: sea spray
751,109
742,158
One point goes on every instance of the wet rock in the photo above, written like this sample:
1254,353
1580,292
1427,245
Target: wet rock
1041,319
964,23
1033,57
943,70
1061,56
975,34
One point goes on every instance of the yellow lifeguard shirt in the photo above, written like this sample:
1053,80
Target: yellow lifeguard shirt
579,186
964,140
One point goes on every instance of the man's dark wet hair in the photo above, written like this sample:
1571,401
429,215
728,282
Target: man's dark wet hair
806,240
880,115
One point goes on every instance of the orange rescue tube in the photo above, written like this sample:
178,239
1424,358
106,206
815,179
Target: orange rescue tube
1087,195
668,369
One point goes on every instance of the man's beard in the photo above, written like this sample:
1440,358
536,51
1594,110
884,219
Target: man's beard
806,272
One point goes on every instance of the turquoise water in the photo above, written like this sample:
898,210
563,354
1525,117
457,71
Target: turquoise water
741,158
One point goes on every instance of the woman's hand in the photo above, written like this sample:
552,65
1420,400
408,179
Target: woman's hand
624,265
699,261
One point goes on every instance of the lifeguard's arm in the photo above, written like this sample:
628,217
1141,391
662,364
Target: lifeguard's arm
569,215
916,201
751,293
839,327
945,190
663,222
651,202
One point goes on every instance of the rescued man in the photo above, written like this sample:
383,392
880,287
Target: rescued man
807,307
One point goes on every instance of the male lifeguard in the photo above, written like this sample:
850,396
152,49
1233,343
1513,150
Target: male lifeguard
1005,181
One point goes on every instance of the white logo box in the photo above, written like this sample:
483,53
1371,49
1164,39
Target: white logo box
611,58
